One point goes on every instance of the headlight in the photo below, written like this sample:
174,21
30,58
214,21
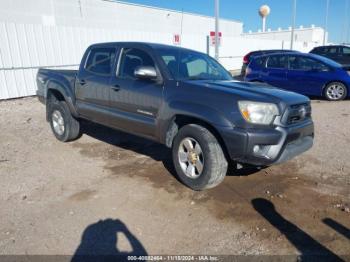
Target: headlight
257,112
348,73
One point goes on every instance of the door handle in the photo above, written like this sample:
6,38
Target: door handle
116,88
82,82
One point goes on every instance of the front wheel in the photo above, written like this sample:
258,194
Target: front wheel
335,91
198,158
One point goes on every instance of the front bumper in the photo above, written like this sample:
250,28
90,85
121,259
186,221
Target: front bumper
264,147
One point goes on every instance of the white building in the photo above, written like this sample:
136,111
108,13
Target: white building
108,14
306,35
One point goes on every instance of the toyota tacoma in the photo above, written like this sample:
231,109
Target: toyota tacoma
183,99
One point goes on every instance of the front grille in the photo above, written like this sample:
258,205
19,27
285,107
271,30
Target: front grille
297,113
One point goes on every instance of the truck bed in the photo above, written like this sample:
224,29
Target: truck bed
65,76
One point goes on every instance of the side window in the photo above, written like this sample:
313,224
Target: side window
171,63
196,67
346,51
294,63
100,60
305,64
333,50
260,61
277,61
131,59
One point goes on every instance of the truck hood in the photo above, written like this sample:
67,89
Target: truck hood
257,91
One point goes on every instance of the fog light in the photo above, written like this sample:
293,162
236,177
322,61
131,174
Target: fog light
261,150
256,149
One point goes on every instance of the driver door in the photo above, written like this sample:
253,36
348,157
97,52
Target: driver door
135,101
306,75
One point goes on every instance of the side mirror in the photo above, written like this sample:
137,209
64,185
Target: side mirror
145,72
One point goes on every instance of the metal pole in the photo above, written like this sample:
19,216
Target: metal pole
182,20
345,26
264,24
208,45
293,23
326,24
217,29
347,22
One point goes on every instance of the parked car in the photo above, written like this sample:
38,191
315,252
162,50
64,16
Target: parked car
306,74
247,57
338,53
180,98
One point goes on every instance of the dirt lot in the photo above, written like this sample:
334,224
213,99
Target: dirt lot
109,192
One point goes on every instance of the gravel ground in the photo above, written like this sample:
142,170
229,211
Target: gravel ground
113,193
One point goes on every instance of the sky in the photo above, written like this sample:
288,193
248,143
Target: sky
308,12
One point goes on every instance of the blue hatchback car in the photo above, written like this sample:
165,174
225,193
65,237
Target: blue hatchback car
307,74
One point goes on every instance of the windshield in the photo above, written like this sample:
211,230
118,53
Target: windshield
191,65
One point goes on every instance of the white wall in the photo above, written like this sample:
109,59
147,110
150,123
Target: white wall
311,34
112,15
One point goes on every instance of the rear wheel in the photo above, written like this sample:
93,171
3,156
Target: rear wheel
198,158
64,126
335,91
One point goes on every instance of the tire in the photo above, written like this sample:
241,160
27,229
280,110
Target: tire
64,126
212,161
335,91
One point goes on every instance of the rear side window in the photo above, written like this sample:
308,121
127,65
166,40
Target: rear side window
131,59
327,50
100,60
332,50
279,62
319,50
260,61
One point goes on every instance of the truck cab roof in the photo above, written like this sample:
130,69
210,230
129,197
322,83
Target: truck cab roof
144,44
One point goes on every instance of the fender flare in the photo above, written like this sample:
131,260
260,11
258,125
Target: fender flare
201,112
66,92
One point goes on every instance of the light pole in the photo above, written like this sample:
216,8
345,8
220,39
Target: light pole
347,21
217,29
326,23
293,23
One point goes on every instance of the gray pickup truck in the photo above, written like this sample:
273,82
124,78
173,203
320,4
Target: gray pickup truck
183,99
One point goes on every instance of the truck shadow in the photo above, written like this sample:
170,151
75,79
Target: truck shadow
310,249
126,141
139,145
99,242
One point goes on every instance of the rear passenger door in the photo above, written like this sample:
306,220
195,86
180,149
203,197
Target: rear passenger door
136,102
275,72
92,85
